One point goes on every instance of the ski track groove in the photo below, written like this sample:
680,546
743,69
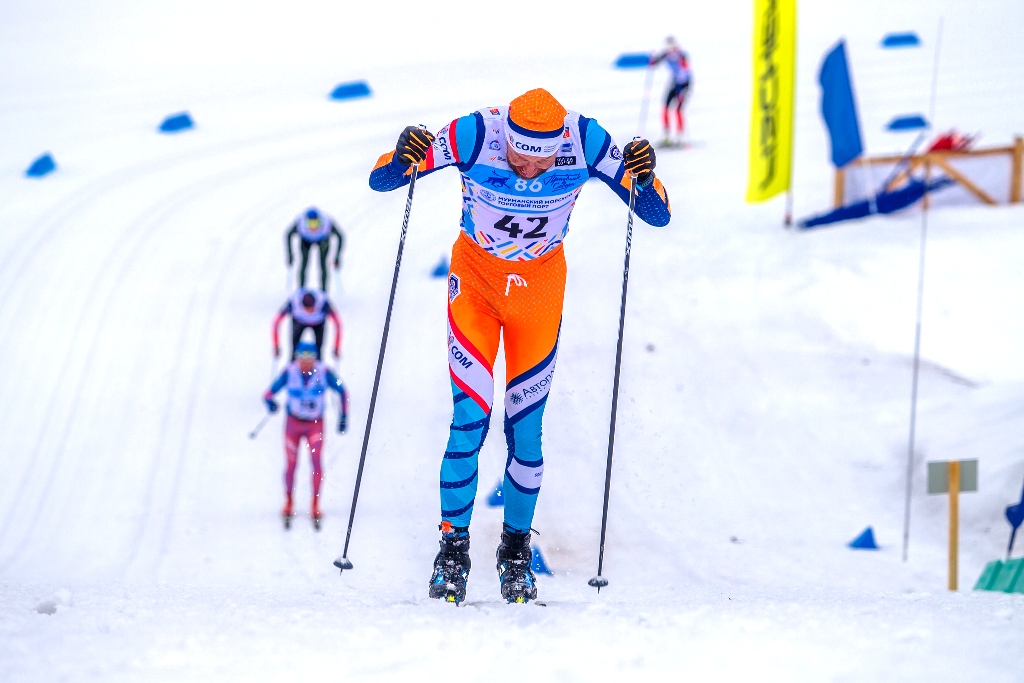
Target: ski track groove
232,254
227,177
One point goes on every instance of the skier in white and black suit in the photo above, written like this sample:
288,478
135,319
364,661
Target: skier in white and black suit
314,228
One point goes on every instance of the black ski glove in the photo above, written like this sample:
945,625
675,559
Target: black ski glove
412,145
639,159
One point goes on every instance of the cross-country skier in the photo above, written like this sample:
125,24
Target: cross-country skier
307,380
678,63
522,168
314,228
308,308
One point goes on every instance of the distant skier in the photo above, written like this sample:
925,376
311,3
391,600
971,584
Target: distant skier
314,228
678,63
309,308
522,168
307,380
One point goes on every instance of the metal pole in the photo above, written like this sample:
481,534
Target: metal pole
917,332
343,562
599,581
256,431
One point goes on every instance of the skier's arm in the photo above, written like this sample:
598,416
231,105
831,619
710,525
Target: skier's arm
458,144
337,330
334,383
288,242
278,384
604,161
277,323
341,245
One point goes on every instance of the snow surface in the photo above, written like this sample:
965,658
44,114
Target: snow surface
765,383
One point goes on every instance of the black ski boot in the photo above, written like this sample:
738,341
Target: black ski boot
518,584
451,566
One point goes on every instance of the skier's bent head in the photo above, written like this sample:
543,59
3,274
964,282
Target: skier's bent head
536,121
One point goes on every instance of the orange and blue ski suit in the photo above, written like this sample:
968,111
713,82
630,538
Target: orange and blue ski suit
508,276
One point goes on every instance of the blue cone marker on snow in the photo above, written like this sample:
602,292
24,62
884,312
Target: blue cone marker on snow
538,565
41,166
908,39
907,122
441,269
496,500
866,541
348,91
176,123
633,60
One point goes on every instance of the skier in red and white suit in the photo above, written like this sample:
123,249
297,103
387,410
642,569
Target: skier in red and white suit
307,381
678,63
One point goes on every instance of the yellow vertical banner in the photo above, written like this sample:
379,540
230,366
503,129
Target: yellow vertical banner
771,114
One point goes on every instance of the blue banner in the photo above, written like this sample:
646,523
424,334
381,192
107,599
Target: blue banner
838,107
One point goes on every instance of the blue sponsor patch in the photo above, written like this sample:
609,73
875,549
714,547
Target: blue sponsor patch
567,147
453,287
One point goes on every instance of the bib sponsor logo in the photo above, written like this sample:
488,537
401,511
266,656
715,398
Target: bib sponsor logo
488,195
566,133
567,147
565,161
495,145
495,111
454,288
516,398
614,153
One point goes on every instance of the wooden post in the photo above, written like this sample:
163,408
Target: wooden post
1018,169
959,177
954,521
839,188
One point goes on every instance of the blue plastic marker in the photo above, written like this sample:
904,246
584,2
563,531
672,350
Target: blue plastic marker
348,91
907,122
908,39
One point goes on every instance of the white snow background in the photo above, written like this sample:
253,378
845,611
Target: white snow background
764,405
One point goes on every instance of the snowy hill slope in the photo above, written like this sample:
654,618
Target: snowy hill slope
764,405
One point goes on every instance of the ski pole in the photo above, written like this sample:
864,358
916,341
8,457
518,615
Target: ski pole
255,432
343,563
599,581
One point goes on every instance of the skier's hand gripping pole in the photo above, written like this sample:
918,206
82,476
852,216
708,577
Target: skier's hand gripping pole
599,581
343,563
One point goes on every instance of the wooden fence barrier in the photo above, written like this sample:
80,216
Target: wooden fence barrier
941,160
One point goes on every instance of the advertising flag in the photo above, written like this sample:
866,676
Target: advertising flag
839,107
771,115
